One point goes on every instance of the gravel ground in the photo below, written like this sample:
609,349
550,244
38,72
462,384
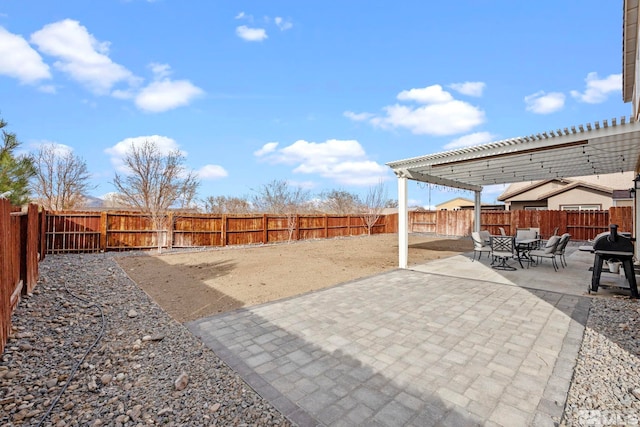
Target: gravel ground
143,368
605,390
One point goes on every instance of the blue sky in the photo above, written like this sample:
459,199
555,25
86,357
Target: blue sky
319,93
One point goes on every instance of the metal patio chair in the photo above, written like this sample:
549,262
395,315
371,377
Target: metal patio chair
503,248
560,249
479,245
548,251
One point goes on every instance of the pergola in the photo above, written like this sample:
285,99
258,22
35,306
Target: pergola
593,149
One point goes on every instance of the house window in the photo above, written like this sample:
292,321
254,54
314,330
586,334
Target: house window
535,208
580,207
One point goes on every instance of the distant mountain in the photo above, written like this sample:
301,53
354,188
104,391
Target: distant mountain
93,202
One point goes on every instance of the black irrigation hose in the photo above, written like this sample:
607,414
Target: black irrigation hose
75,368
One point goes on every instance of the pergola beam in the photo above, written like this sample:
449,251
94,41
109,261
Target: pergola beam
418,176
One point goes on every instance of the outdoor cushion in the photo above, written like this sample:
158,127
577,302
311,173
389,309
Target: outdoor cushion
551,243
525,234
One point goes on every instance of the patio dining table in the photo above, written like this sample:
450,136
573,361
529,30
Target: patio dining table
523,247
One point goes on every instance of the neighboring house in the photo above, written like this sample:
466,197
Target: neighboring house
591,192
455,204
460,203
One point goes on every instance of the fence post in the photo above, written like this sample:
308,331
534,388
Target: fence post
326,226
42,240
103,231
170,230
223,230
31,258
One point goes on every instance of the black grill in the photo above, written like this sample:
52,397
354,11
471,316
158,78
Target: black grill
610,246
613,241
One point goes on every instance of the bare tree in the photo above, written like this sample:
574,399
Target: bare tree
62,178
340,202
226,205
154,182
372,206
280,198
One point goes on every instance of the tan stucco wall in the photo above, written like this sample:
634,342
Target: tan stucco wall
454,204
518,206
624,202
580,196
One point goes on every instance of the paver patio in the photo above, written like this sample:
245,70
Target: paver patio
450,343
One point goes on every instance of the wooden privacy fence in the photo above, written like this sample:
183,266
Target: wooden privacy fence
117,231
20,236
582,225
68,232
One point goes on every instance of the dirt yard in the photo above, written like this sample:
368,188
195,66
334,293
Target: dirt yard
195,284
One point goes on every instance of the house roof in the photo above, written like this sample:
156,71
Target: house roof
509,194
607,182
594,149
576,184
462,199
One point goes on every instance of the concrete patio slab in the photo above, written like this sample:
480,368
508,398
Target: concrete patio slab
451,342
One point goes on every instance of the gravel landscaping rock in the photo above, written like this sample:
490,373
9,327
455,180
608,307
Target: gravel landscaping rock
605,389
141,367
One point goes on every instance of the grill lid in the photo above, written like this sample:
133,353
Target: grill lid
613,241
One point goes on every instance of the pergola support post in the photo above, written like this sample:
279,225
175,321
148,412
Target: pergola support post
477,209
403,223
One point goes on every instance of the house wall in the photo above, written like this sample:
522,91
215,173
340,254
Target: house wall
623,202
517,206
580,196
455,204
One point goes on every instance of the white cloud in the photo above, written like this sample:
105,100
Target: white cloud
19,60
240,15
470,140
251,34
282,23
81,56
544,103
60,149
343,161
160,71
439,119
164,94
357,117
598,89
211,172
442,114
119,151
267,148
469,88
426,95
